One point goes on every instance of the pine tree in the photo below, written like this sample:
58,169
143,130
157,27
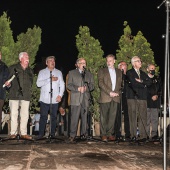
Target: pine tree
90,49
130,46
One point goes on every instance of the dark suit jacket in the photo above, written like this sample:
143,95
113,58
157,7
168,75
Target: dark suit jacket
136,89
105,85
75,80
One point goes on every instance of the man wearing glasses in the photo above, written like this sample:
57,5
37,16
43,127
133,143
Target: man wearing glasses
80,83
137,99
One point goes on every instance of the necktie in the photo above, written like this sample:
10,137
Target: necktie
138,72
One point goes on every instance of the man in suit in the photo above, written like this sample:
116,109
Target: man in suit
137,99
110,80
80,83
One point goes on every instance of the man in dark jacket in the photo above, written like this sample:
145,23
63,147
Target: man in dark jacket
137,98
4,72
153,102
20,95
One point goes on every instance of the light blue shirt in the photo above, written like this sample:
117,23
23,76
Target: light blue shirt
43,81
113,77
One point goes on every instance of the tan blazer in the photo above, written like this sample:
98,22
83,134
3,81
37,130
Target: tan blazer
105,85
68,91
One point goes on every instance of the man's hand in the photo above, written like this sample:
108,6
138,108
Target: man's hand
82,89
7,83
58,99
54,78
155,97
113,94
139,80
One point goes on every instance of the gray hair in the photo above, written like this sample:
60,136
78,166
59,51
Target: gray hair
133,58
110,55
21,54
50,57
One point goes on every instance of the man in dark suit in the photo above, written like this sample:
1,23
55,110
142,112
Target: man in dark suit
110,80
137,98
80,83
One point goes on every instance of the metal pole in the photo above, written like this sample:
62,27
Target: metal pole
166,81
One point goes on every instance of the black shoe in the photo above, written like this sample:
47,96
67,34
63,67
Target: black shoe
142,141
38,137
83,137
155,137
133,139
127,138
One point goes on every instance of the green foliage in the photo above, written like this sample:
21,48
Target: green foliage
34,103
6,40
90,49
130,46
10,49
29,42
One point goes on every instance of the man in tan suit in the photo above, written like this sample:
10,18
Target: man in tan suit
110,88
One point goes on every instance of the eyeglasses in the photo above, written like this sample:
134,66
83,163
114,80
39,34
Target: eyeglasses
81,63
139,61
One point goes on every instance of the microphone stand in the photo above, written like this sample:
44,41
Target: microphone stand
166,80
118,122
51,96
89,115
19,107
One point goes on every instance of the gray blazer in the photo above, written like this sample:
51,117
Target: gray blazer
75,80
105,85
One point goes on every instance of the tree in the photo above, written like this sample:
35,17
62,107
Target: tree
130,45
10,49
90,49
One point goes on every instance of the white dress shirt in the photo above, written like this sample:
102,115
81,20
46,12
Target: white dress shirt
113,77
43,81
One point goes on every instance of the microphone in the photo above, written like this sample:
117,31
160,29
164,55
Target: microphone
84,68
12,78
16,72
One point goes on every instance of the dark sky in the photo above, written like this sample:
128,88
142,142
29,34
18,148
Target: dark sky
60,21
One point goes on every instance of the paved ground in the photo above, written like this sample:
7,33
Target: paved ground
96,155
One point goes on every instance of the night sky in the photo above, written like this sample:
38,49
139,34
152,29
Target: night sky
60,21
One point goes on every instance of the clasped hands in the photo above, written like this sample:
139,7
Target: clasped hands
82,89
113,94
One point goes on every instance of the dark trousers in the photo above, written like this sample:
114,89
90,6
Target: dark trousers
122,110
44,110
107,117
1,106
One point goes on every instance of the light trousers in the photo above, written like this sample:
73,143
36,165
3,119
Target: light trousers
19,110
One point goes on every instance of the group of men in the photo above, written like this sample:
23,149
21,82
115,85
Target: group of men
131,92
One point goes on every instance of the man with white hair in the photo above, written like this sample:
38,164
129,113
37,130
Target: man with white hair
20,95
137,99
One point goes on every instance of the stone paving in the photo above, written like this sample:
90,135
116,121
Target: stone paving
96,155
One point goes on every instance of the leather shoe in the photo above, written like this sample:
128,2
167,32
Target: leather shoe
12,136
26,137
104,138
111,138
83,137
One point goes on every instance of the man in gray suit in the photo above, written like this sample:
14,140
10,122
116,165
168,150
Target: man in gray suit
110,88
80,83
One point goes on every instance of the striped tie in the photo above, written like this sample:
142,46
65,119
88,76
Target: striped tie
138,72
